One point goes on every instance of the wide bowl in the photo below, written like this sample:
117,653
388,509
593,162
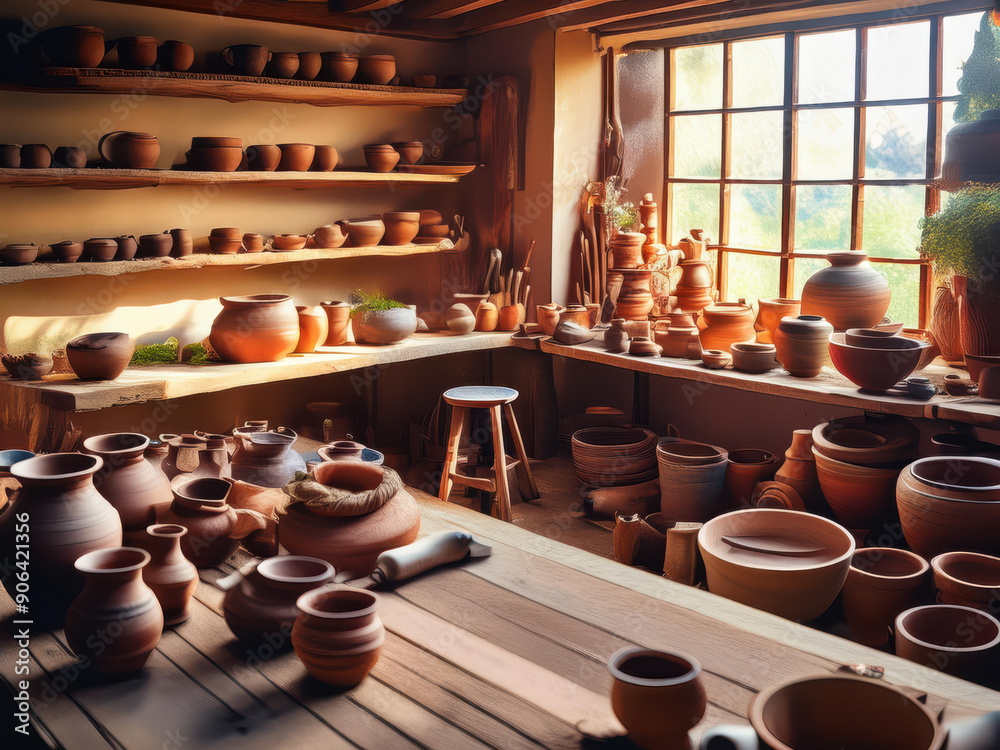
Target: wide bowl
409,151
970,579
400,227
883,440
876,369
434,230
18,254
224,245
215,158
296,157
754,358
958,640
365,233
376,69
381,157
786,562
289,242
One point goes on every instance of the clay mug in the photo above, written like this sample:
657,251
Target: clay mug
35,156
135,52
175,56
247,59
129,150
72,157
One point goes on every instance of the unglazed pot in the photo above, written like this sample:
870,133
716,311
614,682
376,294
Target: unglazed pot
260,605
860,496
35,156
67,251
754,358
577,314
255,328
135,52
657,696
383,327
338,315
330,235
128,150
283,64
487,317
183,244
265,457
626,249
400,227
881,583
726,323
338,634
799,470
247,59
803,345
101,249
72,157
18,254
676,340
364,232
172,577
296,157
100,356
615,338
381,157
377,69
310,64
116,621
961,641
876,369
849,294
770,311
635,301
74,46
176,56
978,311
263,158
156,245
968,579
339,67
747,467
313,328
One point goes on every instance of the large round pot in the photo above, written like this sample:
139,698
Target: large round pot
100,356
74,46
968,579
255,328
171,576
860,496
626,249
265,457
338,316
770,311
364,232
881,583
849,294
978,311
128,150
726,323
961,641
803,345
635,301
382,327
314,326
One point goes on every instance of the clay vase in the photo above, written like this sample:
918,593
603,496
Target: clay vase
338,316
881,583
944,325
116,621
100,356
259,606
548,317
338,634
849,294
803,345
136,489
635,301
626,249
726,323
172,577
657,696
770,311
460,319
196,455
978,311
384,327
266,458
68,518
313,328
747,468
694,288
255,328
616,339
799,470
127,150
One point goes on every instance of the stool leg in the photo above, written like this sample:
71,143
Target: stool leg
501,501
524,470
451,459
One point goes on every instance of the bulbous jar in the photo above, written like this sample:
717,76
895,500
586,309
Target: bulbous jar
770,311
200,506
255,328
803,345
265,457
726,323
635,301
849,294
172,577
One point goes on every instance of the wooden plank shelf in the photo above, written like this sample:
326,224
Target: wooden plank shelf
230,88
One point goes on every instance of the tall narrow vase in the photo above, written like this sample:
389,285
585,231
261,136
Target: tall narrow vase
171,576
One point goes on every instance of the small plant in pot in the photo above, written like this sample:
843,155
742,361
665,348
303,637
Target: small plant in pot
380,320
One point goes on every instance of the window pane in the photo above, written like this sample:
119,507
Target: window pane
755,217
905,284
822,218
697,146
959,33
899,61
947,119
694,207
759,72
803,268
752,276
826,67
697,73
756,145
896,142
825,149
892,220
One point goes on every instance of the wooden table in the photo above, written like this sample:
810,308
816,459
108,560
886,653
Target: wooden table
506,652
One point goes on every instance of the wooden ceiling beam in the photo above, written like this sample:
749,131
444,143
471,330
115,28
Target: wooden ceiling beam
704,12
588,18
364,6
447,8
514,12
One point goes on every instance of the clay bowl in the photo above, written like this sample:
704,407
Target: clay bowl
424,81
18,254
339,67
225,245
226,233
400,227
958,640
876,369
435,231
136,52
74,46
842,711
100,249
860,496
969,579
29,366
253,242
715,359
176,56
882,582
786,562
376,69
365,233
956,385
296,157
283,65
754,358
975,363
310,64
325,159
67,251
263,158
867,336
430,216
155,245
288,242
381,158
35,156
100,356
409,151
215,158
868,441
329,235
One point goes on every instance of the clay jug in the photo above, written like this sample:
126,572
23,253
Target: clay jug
770,311
136,489
116,621
171,576
338,315
313,328
255,328
635,301
944,325
626,250
615,338
881,583
266,458
802,345
197,455
799,471
849,294
726,323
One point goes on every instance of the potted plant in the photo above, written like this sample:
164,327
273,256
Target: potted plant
379,319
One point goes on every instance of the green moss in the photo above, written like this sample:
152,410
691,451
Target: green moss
963,238
168,353
372,301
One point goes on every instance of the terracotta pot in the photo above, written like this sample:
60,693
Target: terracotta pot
10,156
384,327
263,158
100,356
376,69
803,345
961,641
266,458
614,456
255,328
338,634
881,583
770,311
172,577
296,157
215,153
968,579
325,159
310,64
694,288
247,59
128,150
136,52
437,231
67,251
74,46
175,56
200,506
642,346
381,157
259,606
410,151
746,468
945,325
860,496
882,440
338,316
726,323
285,243
35,156
195,455
330,235
849,294
116,621
155,245
400,227
978,311
71,157
460,319
226,233
339,67
487,317
657,696
976,363
364,233
635,301
137,490
101,249
616,339
626,249
225,246
313,328
508,318
799,470
283,64
577,314
18,254
691,485
876,369
754,358
127,247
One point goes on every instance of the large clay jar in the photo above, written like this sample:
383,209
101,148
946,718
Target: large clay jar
770,311
881,583
338,634
626,250
260,606
657,696
197,455
266,457
353,540
726,323
68,518
100,356
799,470
313,328
116,621
129,150
171,576
944,325
849,294
635,301
803,345
136,489
255,328
338,316
978,312
383,327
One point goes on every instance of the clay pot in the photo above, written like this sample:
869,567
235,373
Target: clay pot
155,245
383,327
799,470
137,490
263,158
286,243
755,358
296,157
313,328
746,468
266,457
225,246
74,46
338,315
128,150
18,254
116,621
195,455
410,151
339,67
978,311
770,311
127,247
789,563
437,231
548,316
626,249
881,583
341,450
614,456
849,294
35,156
860,496
460,319
310,64
183,244
338,634
960,641
976,363
876,369
657,696
283,64
641,346
329,235
508,318
676,340
199,505
255,328
881,441
944,325
803,345
10,156
101,249
175,56
364,233
259,606
692,479
30,366
215,153
616,339
487,317
635,301
71,157
376,69
246,59
172,577
694,288
726,323
135,52
400,227
577,314
968,579
100,356
381,157
325,159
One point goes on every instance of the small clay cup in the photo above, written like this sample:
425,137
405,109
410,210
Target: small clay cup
253,242
136,52
263,158
10,156
67,251
128,246
376,69
409,151
296,157
339,67
100,249
310,64
18,254
381,157
71,157
175,56
246,59
183,243
155,245
325,159
35,156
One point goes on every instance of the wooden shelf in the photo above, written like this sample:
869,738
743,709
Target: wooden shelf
230,88
120,179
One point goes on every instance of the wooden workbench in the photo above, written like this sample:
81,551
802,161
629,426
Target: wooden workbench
506,652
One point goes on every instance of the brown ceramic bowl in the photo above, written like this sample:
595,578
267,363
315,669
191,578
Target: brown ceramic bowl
74,46
100,356
71,157
400,227
958,640
381,158
135,52
365,233
376,69
430,216
215,154
860,496
155,245
263,158
339,67
310,64
10,156
296,157
882,440
865,336
175,56
29,366
876,369
969,579
253,242
976,363
325,159
225,245
424,81
226,233
715,359
409,151
283,65
67,251
754,358
35,156
287,242
19,254
330,235
438,231
100,249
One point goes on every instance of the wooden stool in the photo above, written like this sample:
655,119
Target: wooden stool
493,398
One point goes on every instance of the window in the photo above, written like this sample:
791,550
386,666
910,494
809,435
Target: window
787,146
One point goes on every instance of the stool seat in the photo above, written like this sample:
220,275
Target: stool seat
479,396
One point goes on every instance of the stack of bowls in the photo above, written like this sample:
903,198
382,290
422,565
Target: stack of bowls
614,456
873,360
692,479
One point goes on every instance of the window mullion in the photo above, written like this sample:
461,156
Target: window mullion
858,193
789,168
722,260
